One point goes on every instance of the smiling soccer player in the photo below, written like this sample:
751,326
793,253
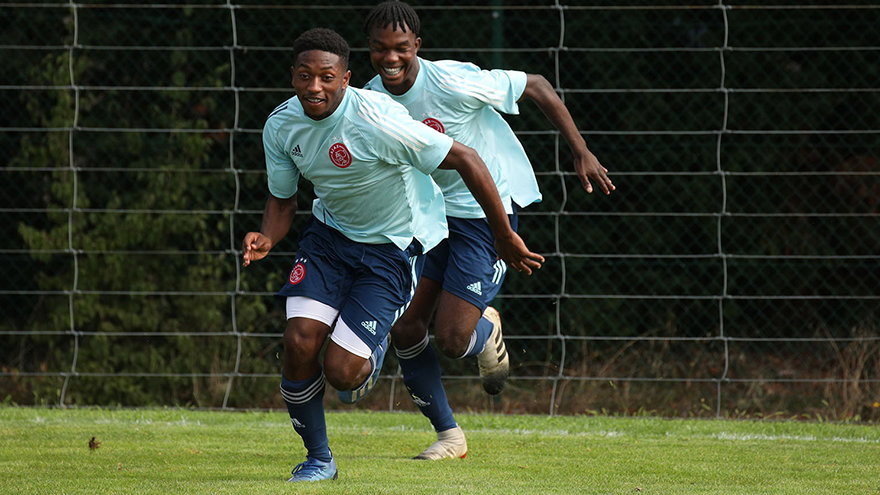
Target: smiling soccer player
463,274
377,210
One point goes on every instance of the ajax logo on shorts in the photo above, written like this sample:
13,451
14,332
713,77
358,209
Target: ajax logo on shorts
434,124
297,274
340,156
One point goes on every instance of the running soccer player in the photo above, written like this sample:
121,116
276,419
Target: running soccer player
463,274
376,211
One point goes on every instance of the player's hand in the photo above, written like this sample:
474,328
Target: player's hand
254,247
517,256
588,167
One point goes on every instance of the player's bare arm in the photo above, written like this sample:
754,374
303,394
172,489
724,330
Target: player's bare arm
586,165
277,216
476,176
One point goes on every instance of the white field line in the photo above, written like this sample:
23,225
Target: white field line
552,432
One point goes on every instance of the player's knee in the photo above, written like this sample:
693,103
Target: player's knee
342,378
338,379
343,370
299,347
451,343
408,332
292,343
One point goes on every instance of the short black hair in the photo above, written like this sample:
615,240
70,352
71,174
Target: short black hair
397,14
326,40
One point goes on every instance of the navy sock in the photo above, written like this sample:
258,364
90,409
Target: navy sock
481,336
421,375
305,404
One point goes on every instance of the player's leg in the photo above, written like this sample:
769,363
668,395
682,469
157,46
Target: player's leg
303,382
379,295
484,341
465,325
457,327
369,285
352,365
317,283
421,371
412,327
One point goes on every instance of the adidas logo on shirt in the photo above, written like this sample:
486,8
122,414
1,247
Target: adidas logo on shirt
476,288
370,326
296,151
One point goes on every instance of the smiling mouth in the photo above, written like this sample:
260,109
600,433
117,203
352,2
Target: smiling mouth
314,101
392,71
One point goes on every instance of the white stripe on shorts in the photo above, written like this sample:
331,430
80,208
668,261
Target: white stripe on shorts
412,287
500,270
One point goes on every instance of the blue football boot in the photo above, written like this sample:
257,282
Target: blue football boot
314,470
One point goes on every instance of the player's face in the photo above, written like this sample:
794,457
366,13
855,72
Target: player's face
393,55
319,79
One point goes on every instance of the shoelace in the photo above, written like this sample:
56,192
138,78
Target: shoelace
308,469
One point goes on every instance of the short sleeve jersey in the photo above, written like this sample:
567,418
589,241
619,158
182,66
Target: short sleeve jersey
463,101
369,163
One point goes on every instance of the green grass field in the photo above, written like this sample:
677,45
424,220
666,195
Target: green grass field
178,451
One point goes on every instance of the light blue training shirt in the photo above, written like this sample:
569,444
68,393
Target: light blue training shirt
369,163
463,101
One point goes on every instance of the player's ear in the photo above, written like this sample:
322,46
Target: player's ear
346,78
418,43
292,74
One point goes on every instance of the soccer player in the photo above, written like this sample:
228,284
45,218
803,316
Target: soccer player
376,211
463,274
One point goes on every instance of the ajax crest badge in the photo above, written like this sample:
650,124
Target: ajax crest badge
340,156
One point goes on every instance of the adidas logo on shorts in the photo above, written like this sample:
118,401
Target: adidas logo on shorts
476,288
370,326
419,402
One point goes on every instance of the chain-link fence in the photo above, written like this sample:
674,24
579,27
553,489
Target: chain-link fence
733,273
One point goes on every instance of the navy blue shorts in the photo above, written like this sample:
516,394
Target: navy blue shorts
370,284
466,264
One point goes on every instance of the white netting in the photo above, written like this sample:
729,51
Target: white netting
735,266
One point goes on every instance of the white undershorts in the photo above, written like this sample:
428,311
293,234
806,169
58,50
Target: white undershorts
304,307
